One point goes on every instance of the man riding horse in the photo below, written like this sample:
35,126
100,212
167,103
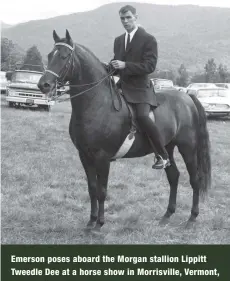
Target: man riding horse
135,57
97,130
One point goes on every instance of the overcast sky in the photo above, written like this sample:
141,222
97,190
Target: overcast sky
16,11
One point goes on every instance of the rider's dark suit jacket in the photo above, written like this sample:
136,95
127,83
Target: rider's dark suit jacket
141,60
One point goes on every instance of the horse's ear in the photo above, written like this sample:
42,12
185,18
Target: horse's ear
56,37
68,37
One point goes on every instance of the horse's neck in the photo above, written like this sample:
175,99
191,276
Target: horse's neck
93,91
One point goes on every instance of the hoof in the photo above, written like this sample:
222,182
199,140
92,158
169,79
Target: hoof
190,223
164,221
96,230
90,225
97,227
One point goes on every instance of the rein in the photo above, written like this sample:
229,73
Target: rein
96,83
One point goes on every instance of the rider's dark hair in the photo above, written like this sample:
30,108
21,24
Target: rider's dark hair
127,8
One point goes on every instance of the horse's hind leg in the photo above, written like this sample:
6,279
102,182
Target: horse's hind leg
92,187
173,174
102,164
189,155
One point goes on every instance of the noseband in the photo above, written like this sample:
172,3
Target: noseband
64,71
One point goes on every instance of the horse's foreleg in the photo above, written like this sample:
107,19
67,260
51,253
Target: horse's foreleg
102,164
173,174
92,188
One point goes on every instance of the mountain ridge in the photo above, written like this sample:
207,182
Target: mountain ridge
5,25
185,34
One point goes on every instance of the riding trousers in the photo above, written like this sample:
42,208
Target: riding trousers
149,127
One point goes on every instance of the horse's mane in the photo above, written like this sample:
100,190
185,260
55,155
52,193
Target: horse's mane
85,49
90,53
85,53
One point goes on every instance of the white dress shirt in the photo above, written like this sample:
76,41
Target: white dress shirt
131,35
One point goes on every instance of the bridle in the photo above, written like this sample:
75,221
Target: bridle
64,71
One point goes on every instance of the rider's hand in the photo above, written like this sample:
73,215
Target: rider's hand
118,64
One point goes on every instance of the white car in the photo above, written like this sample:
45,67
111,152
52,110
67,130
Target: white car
215,101
223,85
160,83
181,89
3,82
194,87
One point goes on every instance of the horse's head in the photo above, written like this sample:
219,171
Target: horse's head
60,63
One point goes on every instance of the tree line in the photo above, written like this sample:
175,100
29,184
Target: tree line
12,56
212,73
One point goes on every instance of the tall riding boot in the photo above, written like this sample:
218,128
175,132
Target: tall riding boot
162,159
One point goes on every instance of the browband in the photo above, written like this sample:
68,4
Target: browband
64,44
59,44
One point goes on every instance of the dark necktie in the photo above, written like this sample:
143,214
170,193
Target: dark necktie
128,42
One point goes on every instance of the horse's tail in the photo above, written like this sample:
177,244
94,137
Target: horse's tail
203,149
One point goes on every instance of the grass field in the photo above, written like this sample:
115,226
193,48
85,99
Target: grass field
45,198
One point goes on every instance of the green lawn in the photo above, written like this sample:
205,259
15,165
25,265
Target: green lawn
45,198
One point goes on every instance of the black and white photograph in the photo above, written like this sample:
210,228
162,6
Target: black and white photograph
115,122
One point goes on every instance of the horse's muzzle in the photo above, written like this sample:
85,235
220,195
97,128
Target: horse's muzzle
45,86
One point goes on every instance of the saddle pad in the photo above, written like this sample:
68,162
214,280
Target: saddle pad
128,142
125,147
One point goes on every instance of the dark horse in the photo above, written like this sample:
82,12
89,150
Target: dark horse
98,130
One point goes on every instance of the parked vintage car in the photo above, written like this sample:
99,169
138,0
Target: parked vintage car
23,90
194,87
215,101
3,82
160,84
223,85
180,89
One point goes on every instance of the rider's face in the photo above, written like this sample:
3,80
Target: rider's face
128,20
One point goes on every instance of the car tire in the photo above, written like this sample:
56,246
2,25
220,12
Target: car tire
11,104
45,107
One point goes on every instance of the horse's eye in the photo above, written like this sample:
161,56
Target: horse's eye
64,56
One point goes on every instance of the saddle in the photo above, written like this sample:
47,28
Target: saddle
134,126
132,113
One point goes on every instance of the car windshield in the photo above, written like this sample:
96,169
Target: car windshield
26,77
223,85
213,93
